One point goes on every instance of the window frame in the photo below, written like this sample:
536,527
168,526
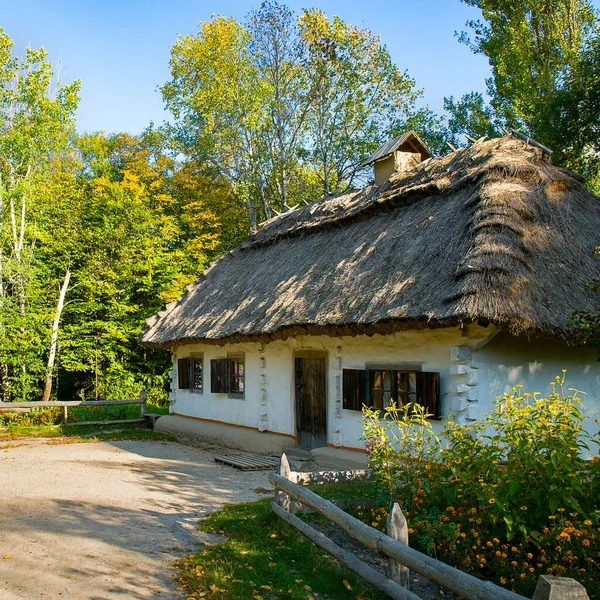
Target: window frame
362,388
223,376
194,360
186,372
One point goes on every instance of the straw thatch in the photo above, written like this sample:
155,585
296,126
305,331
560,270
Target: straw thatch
493,233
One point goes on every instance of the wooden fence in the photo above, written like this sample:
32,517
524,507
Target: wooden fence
401,556
145,416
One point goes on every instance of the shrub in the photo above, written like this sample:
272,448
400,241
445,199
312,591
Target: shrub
510,496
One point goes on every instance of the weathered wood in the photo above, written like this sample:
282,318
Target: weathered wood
285,471
16,409
68,403
116,422
467,585
143,397
311,400
530,141
559,588
397,529
364,571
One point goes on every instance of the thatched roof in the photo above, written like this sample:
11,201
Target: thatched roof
492,232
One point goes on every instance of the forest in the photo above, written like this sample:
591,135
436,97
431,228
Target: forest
98,231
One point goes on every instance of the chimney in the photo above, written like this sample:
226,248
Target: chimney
399,155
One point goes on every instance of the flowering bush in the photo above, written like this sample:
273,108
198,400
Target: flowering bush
510,496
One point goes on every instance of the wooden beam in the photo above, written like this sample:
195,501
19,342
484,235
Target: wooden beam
68,403
467,585
116,422
364,571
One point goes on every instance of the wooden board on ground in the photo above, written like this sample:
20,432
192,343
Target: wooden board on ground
249,462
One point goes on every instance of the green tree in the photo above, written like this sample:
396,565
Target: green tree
360,98
217,92
543,56
36,122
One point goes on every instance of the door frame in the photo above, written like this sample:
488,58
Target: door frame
310,353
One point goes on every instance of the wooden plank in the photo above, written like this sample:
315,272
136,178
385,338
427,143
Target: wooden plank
248,462
467,585
364,571
117,422
343,476
88,403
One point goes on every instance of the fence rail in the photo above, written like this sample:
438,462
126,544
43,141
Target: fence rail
399,552
20,407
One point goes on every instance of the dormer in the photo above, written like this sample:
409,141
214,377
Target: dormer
398,155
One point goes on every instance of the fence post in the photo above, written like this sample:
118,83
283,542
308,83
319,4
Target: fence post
397,528
142,403
65,409
559,588
284,470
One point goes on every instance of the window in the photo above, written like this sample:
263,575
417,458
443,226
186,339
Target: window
227,376
236,376
190,373
377,388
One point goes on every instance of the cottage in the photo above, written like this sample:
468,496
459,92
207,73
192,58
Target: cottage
445,285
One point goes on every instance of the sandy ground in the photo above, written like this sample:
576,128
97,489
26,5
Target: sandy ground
105,520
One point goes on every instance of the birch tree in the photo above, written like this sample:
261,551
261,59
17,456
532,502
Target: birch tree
36,119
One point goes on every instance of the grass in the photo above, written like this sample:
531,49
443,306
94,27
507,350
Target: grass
41,423
262,558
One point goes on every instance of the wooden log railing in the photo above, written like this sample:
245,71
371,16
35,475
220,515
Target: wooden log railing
19,407
401,556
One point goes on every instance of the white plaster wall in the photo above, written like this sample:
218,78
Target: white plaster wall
508,361
263,370
473,371
269,402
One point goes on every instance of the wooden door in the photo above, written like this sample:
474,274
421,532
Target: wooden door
311,400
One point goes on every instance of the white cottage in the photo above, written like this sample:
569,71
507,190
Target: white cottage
446,285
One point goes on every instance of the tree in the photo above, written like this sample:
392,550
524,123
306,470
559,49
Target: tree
471,116
278,52
36,121
216,91
544,69
284,109
360,98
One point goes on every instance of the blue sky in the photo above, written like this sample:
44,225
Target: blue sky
120,49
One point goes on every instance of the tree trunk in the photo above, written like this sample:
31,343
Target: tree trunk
265,202
54,339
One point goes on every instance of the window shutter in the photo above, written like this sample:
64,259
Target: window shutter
183,373
354,386
219,376
428,392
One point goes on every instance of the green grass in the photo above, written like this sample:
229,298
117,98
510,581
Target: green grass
263,558
83,433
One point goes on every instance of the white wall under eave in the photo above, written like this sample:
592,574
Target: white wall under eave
476,364
508,361
269,402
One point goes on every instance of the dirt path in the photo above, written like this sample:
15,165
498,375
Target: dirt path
105,520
